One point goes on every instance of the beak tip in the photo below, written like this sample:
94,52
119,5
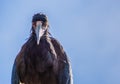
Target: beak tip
37,42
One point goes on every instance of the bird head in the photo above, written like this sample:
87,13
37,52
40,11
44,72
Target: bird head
39,25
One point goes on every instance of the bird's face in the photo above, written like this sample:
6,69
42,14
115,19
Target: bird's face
39,30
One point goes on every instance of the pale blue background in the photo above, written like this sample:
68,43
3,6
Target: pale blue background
89,30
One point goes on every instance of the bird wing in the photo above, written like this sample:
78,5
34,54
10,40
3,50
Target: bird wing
65,74
14,78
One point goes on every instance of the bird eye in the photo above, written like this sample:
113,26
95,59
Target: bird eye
43,28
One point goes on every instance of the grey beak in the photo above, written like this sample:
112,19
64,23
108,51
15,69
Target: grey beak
39,32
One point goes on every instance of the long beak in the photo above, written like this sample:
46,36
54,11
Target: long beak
39,32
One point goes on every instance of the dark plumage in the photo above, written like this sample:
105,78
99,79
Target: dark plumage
41,61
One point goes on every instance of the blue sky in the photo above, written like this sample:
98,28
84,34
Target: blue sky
89,31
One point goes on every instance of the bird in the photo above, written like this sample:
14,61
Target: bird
42,59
